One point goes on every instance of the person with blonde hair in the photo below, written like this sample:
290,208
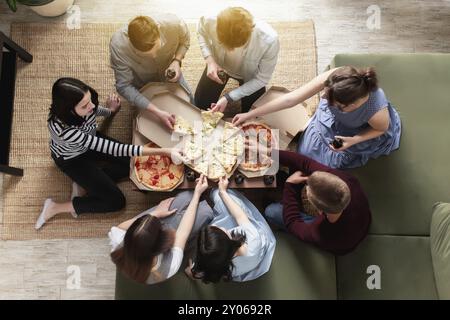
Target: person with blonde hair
149,49
322,206
235,45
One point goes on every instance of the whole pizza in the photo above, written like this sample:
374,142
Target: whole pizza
258,158
158,172
212,149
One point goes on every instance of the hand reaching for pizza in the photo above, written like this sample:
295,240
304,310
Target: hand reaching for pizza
177,156
241,118
162,210
202,185
220,105
113,103
223,184
166,118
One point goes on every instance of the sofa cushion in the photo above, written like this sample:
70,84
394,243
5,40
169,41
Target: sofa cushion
298,271
440,248
403,186
405,269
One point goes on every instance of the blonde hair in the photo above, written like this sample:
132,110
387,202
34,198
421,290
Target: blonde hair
143,33
327,192
234,27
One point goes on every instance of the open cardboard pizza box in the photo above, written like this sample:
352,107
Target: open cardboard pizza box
152,88
289,122
148,128
285,124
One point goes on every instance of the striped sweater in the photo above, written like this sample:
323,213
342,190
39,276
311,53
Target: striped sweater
71,141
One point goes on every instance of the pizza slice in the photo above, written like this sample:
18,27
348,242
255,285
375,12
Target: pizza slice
192,148
176,171
229,131
182,126
226,160
201,166
215,169
210,120
234,146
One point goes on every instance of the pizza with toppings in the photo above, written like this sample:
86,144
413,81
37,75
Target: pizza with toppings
258,159
215,150
210,120
158,172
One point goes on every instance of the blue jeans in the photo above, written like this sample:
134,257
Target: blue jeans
274,214
182,81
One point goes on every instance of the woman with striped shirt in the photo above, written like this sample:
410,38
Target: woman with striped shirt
77,147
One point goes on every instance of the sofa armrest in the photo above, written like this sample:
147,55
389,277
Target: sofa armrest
440,248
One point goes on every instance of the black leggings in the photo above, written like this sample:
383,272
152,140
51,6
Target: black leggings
103,195
208,91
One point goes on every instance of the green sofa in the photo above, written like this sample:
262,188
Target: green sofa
408,244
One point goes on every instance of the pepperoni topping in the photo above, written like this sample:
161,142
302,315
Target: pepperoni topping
171,176
156,177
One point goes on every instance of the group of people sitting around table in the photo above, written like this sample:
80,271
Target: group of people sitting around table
231,239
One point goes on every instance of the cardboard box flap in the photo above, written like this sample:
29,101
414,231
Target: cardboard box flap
153,88
291,121
152,128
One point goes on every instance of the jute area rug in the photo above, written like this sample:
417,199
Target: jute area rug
84,54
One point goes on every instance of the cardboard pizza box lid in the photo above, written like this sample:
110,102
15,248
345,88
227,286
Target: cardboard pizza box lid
289,121
152,128
152,88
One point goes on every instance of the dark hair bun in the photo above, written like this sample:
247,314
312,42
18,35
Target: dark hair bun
370,78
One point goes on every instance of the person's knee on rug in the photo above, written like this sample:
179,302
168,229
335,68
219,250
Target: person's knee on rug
115,202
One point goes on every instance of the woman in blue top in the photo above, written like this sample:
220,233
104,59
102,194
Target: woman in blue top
353,109
238,245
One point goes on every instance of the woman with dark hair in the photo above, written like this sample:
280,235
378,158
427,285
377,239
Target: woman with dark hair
238,245
149,248
353,122
76,147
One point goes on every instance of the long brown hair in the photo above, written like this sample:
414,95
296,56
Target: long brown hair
348,84
144,240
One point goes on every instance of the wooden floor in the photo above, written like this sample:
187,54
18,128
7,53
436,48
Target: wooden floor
38,269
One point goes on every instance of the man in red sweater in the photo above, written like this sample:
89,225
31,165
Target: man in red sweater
344,217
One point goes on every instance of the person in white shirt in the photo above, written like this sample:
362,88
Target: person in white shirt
147,249
244,49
